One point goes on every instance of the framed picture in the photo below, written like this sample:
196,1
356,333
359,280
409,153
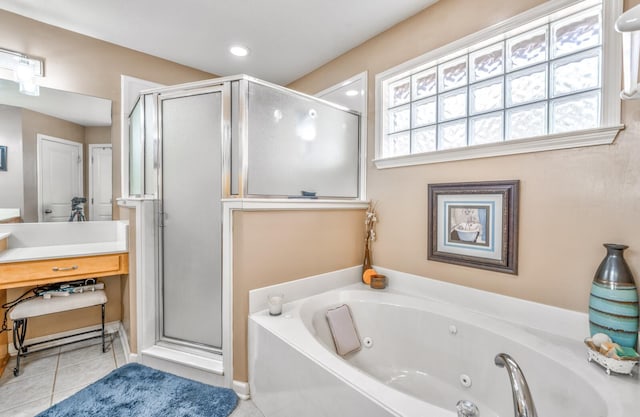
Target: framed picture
3,158
474,224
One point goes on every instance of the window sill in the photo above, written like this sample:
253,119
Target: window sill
591,137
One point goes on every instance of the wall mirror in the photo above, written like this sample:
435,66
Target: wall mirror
58,147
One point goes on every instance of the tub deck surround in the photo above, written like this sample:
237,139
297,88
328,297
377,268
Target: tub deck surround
293,353
538,317
304,287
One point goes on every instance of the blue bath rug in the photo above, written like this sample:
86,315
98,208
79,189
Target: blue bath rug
135,390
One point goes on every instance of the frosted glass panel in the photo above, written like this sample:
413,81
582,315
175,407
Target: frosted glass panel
486,96
527,85
453,73
527,121
191,192
399,119
424,112
425,84
423,140
136,149
485,129
236,127
539,79
399,92
527,49
577,112
577,32
297,144
576,73
452,135
453,105
150,146
487,62
396,145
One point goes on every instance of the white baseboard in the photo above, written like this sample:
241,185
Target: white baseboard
111,327
242,389
124,340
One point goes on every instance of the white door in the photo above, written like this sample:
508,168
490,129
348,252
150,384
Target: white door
59,177
100,192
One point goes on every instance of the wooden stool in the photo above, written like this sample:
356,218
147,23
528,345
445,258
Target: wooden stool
40,306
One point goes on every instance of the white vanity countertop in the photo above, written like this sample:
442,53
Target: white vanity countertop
61,251
4,235
40,241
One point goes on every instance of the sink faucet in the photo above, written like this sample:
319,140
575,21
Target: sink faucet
522,400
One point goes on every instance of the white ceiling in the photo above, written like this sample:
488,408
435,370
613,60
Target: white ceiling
287,38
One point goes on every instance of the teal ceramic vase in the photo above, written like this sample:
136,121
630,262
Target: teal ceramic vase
613,304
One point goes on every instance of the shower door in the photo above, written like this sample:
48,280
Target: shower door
191,130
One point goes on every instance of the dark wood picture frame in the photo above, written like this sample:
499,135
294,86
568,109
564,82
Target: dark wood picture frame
474,224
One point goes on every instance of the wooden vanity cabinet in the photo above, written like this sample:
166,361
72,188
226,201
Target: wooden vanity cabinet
39,272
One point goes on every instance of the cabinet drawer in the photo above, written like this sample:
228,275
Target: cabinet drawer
17,274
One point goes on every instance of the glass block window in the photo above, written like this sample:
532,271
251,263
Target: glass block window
539,79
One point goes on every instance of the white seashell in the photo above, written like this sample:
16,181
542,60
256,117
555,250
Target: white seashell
600,338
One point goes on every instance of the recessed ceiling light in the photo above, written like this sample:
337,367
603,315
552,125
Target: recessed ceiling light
238,50
352,93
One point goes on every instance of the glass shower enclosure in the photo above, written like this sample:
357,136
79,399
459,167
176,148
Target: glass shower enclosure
195,146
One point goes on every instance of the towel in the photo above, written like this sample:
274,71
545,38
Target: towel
343,330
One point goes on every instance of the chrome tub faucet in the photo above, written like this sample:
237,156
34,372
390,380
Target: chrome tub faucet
522,401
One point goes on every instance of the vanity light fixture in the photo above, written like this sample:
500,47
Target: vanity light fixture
351,93
239,50
26,70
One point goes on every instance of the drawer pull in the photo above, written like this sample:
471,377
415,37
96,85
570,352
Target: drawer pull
69,268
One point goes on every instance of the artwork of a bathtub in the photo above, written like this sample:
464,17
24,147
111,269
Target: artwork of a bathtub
420,356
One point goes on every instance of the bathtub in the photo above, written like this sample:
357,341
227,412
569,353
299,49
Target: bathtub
422,355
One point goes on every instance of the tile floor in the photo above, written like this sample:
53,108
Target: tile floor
52,375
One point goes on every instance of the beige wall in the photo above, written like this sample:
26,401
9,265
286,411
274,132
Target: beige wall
97,135
274,247
572,200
